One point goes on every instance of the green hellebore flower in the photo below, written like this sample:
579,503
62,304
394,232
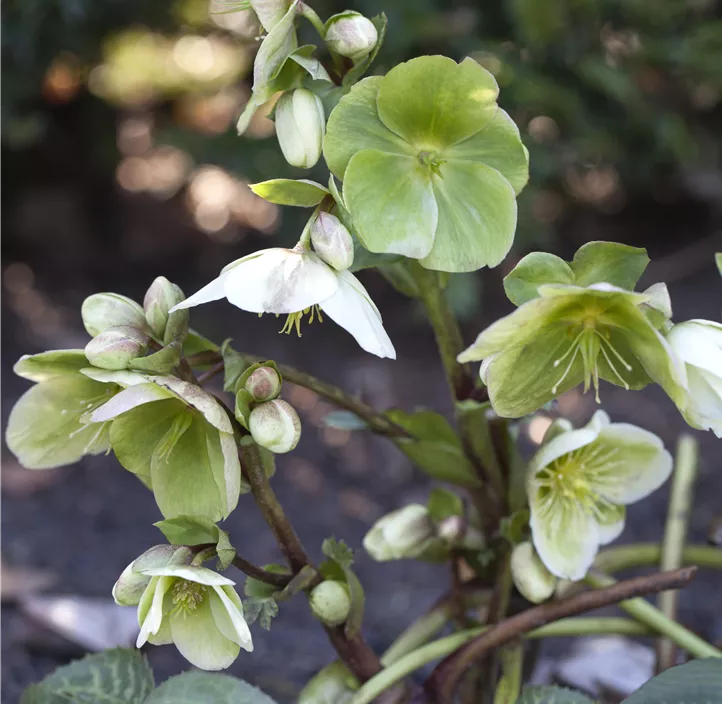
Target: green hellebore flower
431,165
47,426
406,533
572,334
579,483
196,609
179,441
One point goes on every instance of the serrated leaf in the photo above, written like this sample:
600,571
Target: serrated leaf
337,550
552,695
233,364
261,609
207,688
345,420
338,567
696,682
118,676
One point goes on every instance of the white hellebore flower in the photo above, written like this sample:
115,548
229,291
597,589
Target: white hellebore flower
297,282
698,343
578,484
198,610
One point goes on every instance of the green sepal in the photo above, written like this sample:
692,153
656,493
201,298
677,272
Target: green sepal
195,343
301,193
338,568
234,364
535,269
443,504
381,23
198,530
242,410
609,262
160,362
435,447
515,528
39,367
243,378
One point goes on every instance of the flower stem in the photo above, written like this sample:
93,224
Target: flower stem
509,687
311,15
675,536
442,647
272,578
651,616
648,555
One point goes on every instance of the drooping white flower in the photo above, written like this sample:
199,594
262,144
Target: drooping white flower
698,343
296,282
578,484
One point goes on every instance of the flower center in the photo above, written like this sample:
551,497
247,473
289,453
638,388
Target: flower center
431,161
590,342
186,596
293,321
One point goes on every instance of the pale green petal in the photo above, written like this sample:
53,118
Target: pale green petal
627,463
560,445
699,343
534,270
223,458
44,428
433,102
354,125
659,307
121,377
278,44
704,408
598,421
558,426
39,367
609,262
191,573
150,609
599,292
392,203
195,396
199,640
476,217
564,535
611,523
497,145
270,12
128,399
228,614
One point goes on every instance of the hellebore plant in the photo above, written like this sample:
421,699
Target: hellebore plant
424,168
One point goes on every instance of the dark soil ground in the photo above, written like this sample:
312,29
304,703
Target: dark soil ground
84,523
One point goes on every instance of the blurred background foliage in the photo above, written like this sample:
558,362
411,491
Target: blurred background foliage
617,100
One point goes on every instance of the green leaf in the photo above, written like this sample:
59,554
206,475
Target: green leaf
436,448
345,420
433,102
188,530
391,201
537,694
609,262
476,217
285,191
497,145
303,56
261,590
444,503
195,343
207,688
45,427
278,45
118,676
338,551
381,24
535,269
39,367
341,555
160,362
354,125
696,682
261,609
234,365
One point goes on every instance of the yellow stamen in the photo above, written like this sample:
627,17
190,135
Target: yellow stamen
293,321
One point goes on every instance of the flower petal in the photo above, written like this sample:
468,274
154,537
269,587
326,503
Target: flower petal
192,573
213,291
627,463
611,524
352,309
150,609
564,535
704,410
194,395
128,399
228,614
279,281
199,640
560,445
699,343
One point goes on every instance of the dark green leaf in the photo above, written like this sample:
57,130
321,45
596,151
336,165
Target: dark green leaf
261,609
207,688
444,503
697,682
552,695
118,676
609,262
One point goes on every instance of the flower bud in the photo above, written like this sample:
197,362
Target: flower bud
330,603
275,425
332,241
404,533
300,125
159,299
131,584
108,310
335,684
264,384
456,532
351,34
116,347
533,580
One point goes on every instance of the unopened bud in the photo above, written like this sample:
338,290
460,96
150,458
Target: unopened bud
351,34
300,125
108,310
131,584
159,299
335,684
330,603
404,533
275,425
456,532
332,241
116,347
533,580
264,384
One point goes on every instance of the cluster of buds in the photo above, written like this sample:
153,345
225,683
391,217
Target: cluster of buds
123,331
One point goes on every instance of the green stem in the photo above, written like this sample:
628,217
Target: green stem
651,616
648,555
445,646
311,15
512,662
675,536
